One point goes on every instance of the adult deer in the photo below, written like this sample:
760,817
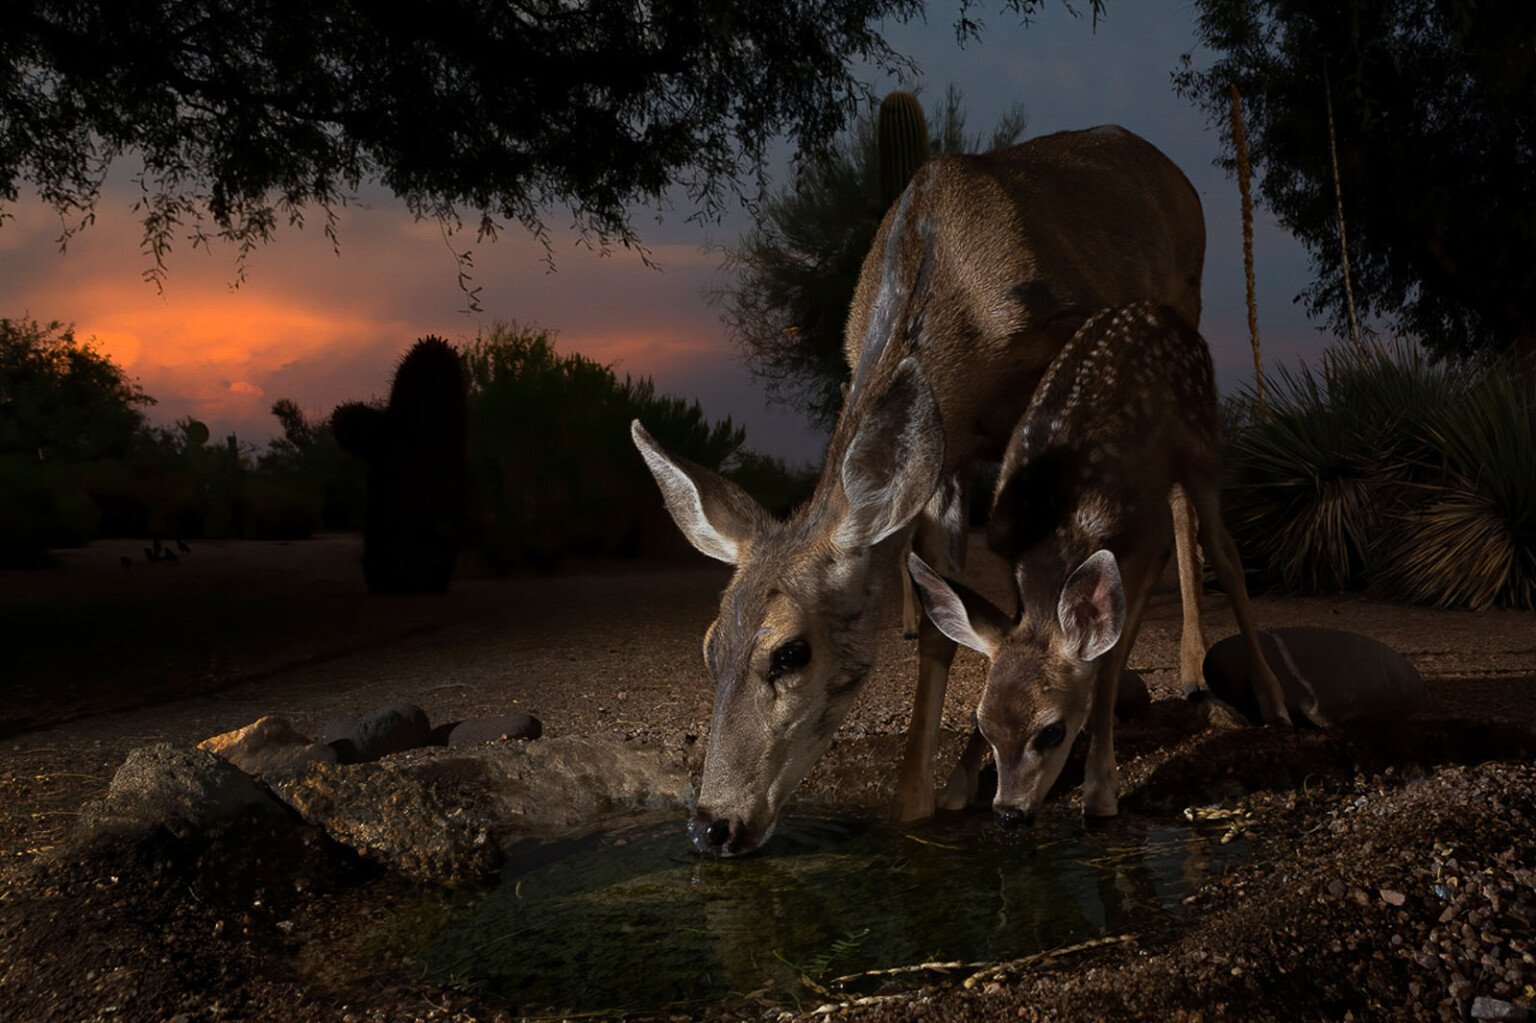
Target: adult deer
977,277
1125,417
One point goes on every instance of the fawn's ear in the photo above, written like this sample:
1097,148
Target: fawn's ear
963,615
716,515
893,463
1092,606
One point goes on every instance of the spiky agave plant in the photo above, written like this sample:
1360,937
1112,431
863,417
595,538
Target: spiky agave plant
1307,484
1464,533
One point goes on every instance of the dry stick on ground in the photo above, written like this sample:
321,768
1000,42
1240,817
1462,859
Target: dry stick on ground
1338,200
1244,183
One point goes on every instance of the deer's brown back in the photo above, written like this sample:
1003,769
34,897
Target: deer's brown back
1011,251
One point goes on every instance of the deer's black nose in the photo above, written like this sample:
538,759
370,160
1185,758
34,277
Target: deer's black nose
1010,818
709,833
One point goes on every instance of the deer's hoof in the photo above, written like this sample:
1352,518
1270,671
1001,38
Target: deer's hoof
956,795
913,806
1101,803
1101,794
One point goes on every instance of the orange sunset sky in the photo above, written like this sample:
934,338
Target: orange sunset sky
320,328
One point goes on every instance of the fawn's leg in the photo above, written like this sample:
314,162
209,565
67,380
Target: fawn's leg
1192,638
940,541
1229,569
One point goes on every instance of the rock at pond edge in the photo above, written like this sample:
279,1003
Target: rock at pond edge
446,815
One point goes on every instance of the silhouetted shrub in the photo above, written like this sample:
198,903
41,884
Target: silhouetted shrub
64,408
777,486
551,465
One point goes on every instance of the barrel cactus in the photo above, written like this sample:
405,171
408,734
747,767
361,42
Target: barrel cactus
415,450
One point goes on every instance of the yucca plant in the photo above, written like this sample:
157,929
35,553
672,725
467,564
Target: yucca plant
1463,533
1307,483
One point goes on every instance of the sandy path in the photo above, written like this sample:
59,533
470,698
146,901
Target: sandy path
603,648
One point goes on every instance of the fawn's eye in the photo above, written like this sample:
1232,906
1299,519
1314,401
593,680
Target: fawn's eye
1051,735
788,657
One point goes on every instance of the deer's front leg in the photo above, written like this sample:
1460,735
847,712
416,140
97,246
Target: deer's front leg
1101,776
939,540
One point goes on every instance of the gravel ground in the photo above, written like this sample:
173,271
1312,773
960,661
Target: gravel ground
112,658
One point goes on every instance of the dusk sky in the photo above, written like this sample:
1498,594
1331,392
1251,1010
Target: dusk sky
320,328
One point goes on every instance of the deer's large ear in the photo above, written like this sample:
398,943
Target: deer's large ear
963,615
893,464
1092,606
716,515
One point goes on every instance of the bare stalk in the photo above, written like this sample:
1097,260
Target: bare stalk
1338,200
1244,185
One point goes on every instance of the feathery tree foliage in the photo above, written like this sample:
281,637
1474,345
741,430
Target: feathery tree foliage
797,269
248,115
1435,105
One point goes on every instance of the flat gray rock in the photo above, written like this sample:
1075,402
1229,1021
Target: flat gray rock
1327,675
361,738
447,815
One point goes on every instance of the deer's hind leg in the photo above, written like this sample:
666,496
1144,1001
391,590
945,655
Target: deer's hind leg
1229,569
1192,637
940,541
909,608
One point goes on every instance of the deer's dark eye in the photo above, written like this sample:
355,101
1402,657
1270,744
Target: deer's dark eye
788,657
1051,735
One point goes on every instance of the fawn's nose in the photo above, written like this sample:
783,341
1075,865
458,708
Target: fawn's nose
1011,818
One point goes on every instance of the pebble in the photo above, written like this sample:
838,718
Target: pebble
1493,1008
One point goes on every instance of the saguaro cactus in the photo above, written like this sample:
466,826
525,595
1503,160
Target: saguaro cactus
903,144
415,450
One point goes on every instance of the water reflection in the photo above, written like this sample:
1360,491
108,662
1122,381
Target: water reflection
632,919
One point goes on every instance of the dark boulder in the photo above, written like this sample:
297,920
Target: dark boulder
501,728
1132,697
1328,676
361,738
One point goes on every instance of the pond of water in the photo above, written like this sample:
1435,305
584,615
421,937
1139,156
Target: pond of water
632,918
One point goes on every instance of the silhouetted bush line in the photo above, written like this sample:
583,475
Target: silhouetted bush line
549,465
1386,471
552,470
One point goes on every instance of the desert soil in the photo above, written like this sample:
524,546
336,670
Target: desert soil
1397,883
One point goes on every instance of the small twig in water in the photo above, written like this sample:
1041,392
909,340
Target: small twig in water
1003,969
894,971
